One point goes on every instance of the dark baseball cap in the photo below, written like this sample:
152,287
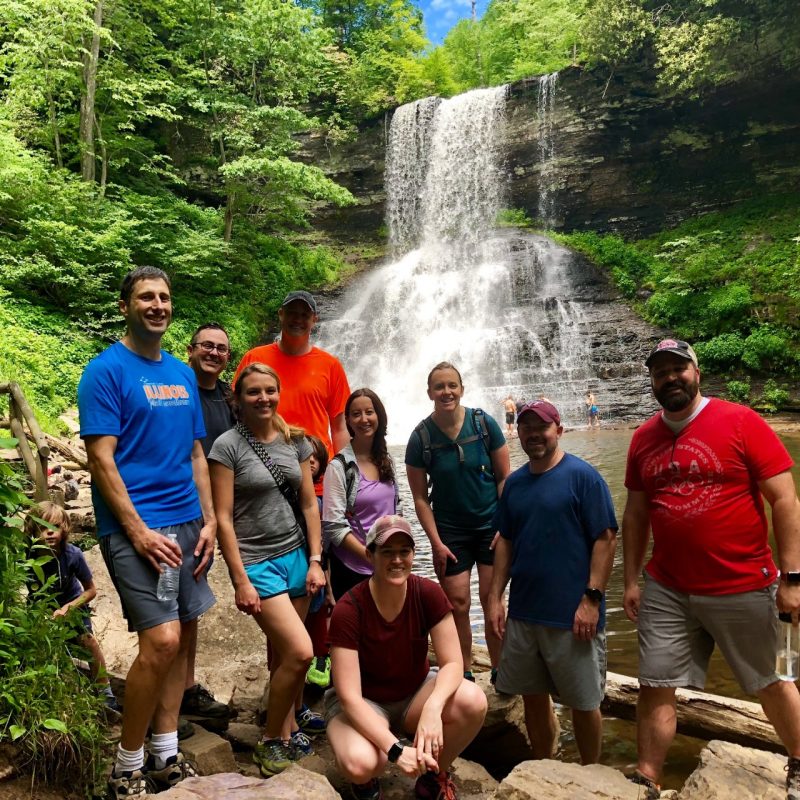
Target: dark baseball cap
546,411
307,298
676,347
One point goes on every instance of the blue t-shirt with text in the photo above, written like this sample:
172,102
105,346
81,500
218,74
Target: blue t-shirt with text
154,410
553,520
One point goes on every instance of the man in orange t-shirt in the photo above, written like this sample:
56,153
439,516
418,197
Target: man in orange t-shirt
314,388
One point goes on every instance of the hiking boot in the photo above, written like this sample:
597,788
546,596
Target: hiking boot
371,790
199,702
176,768
319,672
435,786
135,783
301,745
793,778
272,756
652,789
311,723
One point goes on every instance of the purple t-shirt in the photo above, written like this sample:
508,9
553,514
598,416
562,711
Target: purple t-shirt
374,499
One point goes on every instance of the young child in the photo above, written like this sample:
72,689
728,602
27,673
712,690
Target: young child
73,587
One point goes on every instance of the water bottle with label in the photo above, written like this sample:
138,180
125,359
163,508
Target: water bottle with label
169,579
787,661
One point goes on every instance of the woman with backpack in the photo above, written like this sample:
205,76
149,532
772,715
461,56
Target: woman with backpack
464,454
360,486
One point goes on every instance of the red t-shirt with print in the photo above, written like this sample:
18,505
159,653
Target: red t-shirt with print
706,511
392,656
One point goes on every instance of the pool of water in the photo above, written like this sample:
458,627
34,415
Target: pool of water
606,449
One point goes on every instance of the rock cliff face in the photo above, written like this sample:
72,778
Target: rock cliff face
628,161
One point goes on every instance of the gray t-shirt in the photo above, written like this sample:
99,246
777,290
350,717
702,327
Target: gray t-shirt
262,518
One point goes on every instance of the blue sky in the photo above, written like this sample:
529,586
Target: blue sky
441,15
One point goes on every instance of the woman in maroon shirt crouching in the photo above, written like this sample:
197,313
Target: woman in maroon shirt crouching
384,687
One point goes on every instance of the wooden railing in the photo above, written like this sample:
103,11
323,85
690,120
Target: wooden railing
20,414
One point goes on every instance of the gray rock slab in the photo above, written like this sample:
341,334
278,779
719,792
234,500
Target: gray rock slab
556,780
729,770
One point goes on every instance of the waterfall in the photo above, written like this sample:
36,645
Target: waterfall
545,108
498,303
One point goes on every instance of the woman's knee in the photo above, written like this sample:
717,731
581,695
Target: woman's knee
359,764
469,704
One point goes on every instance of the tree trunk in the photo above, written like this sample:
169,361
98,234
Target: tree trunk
86,133
103,157
51,105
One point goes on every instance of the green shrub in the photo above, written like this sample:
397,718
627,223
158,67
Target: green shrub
738,391
513,218
48,709
767,348
721,352
773,397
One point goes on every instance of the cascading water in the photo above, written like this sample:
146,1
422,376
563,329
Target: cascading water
496,302
545,109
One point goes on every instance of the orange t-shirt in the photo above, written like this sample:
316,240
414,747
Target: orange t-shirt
314,388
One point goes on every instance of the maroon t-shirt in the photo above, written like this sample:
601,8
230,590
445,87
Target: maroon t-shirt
392,656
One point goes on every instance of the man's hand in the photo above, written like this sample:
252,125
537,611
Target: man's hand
584,625
156,548
496,616
788,600
205,548
631,601
441,553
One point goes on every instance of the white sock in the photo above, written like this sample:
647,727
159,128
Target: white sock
162,746
128,760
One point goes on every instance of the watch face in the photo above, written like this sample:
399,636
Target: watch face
792,577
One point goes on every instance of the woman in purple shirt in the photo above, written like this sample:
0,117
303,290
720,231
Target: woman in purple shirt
360,486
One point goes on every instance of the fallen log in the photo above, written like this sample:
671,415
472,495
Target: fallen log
76,454
705,716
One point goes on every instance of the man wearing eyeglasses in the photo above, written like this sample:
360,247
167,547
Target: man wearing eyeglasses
209,354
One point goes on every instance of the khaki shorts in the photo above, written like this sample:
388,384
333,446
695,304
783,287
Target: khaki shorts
677,634
394,713
541,660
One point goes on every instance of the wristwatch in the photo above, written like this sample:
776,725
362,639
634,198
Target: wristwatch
395,751
312,559
595,595
790,576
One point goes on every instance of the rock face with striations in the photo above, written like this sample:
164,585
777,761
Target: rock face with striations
626,161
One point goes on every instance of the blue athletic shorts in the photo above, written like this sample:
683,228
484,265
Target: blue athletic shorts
274,576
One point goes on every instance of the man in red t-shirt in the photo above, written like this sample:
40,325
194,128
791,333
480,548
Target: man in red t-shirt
696,474
314,387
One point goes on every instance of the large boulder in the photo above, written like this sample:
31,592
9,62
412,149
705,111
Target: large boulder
555,780
729,770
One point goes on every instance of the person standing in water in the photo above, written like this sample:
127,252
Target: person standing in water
465,454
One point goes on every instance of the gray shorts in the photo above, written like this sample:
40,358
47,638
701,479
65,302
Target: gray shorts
677,633
135,580
394,713
541,660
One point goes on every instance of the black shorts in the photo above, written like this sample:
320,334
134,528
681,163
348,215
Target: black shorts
509,417
470,547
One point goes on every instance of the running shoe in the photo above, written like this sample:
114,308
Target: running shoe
371,790
469,676
176,768
319,672
435,786
135,783
273,756
311,723
301,744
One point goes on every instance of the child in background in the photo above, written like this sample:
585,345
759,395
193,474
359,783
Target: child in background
73,587
319,672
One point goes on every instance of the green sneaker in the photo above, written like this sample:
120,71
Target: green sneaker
319,672
273,756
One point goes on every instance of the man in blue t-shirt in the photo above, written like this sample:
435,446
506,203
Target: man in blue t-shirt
558,534
142,424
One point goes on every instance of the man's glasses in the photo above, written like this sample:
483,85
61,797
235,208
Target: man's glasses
210,347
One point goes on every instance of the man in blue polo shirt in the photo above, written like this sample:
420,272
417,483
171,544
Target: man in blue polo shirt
142,424
558,535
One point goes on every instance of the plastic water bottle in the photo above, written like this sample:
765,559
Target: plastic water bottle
169,579
787,660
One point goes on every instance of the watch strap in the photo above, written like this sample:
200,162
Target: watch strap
395,751
596,595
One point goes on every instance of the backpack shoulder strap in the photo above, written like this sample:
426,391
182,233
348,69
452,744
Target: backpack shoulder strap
349,477
425,439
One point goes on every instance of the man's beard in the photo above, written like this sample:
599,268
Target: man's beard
671,401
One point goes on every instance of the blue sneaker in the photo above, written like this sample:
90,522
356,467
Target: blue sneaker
311,723
301,744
